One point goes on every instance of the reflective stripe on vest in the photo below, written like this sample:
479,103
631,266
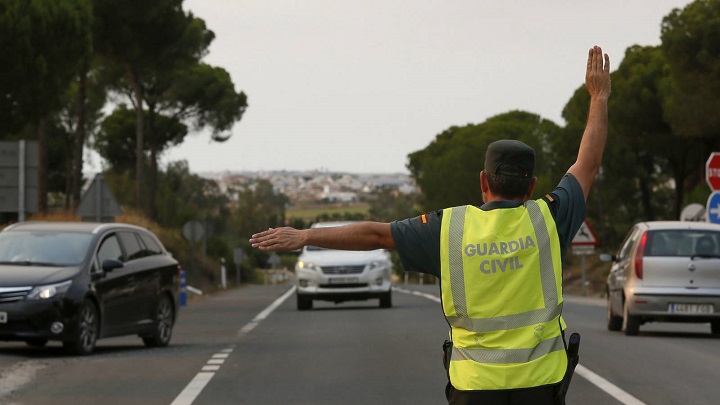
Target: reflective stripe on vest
457,279
509,355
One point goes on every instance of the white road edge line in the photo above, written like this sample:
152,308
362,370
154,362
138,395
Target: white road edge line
607,386
603,384
195,387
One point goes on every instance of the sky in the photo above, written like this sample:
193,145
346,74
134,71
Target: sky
357,85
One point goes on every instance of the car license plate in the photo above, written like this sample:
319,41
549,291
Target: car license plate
691,308
343,280
3,317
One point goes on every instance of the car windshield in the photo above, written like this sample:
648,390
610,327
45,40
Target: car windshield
43,248
683,242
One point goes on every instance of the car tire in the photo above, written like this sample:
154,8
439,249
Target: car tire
715,327
303,303
614,322
631,324
36,342
386,300
86,332
164,322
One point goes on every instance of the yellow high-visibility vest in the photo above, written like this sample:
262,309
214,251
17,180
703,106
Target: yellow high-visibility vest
502,296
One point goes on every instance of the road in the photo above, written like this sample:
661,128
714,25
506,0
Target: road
251,346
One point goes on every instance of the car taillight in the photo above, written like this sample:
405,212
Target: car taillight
639,255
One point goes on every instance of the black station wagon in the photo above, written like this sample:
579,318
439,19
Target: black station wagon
77,282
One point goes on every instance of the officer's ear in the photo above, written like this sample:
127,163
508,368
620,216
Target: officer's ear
484,186
484,182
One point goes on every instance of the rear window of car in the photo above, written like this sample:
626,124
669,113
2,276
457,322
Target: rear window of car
151,246
133,249
683,242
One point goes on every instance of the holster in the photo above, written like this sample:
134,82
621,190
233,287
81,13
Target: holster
573,359
447,352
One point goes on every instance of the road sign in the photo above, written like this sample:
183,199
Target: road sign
274,259
693,212
193,231
584,250
713,207
712,171
98,203
19,177
585,236
238,255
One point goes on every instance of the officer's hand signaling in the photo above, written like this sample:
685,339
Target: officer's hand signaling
273,239
597,76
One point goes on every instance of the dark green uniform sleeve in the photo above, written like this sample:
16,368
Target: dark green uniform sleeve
417,241
569,209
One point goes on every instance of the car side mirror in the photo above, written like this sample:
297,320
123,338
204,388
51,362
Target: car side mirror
607,257
109,265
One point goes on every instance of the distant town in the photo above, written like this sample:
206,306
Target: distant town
316,186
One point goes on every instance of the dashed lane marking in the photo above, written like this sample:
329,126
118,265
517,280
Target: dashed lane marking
202,378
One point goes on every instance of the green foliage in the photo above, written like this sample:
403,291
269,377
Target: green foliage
116,140
44,44
204,95
690,39
183,196
448,170
258,207
390,205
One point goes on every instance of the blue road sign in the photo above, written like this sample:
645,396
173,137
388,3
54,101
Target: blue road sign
713,207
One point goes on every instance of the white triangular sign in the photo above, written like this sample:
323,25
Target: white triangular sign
585,235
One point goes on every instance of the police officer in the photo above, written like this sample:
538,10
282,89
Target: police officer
499,265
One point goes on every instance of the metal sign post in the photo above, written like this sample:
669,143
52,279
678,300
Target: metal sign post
193,232
238,256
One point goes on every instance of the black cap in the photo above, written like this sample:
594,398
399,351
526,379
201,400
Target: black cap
510,158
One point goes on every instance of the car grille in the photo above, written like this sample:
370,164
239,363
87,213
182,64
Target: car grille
343,269
347,285
13,294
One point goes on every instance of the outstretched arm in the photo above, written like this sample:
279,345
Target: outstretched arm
359,236
592,145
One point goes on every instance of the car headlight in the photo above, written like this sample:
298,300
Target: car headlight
378,264
44,292
309,266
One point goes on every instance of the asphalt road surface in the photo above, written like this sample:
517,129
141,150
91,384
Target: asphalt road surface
251,346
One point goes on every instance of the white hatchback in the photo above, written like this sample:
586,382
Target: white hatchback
342,275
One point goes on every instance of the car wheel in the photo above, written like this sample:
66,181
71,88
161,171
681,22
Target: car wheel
303,303
614,322
386,300
164,321
36,342
715,327
631,324
86,332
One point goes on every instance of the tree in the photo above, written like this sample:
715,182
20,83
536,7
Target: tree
116,140
448,170
80,114
690,39
259,206
147,40
197,94
390,205
44,44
